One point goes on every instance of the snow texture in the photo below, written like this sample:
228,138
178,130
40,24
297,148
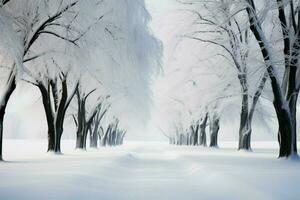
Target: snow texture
147,171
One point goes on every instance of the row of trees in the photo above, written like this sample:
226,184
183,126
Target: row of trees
67,49
91,123
255,43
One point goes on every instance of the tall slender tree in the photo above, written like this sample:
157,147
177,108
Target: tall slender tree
285,96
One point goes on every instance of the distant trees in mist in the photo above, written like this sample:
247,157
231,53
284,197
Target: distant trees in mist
250,45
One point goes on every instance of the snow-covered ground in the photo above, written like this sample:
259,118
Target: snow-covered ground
142,171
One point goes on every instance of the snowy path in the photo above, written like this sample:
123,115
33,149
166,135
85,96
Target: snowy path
142,171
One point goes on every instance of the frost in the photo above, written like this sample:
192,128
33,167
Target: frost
11,49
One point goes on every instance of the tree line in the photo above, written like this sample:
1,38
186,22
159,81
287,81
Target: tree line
66,50
259,41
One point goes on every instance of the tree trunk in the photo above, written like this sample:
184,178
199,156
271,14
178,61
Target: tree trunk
57,148
285,130
195,134
83,123
202,135
58,133
10,87
246,140
291,55
49,116
79,141
85,134
79,138
214,130
104,138
245,127
293,107
292,96
122,137
80,121
245,137
281,106
94,137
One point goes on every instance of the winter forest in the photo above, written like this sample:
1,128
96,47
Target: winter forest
149,99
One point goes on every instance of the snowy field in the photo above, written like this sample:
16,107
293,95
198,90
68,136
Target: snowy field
142,171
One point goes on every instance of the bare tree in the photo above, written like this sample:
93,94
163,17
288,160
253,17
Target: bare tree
233,40
285,96
112,135
38,26
84,117
95,127
56,99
